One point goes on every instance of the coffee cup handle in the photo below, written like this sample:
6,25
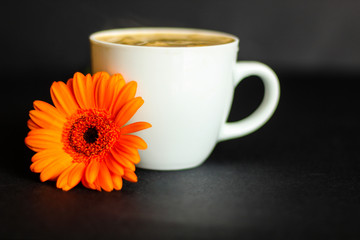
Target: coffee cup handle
267,107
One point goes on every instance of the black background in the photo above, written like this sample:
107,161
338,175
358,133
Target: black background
295,178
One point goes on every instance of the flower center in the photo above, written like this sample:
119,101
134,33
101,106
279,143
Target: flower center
89,134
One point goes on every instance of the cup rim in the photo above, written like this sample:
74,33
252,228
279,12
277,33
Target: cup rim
93,36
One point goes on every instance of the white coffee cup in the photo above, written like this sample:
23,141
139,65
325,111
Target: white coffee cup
188,92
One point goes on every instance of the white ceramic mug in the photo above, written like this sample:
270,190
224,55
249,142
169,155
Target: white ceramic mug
188,92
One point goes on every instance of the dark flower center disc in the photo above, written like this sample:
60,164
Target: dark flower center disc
91,135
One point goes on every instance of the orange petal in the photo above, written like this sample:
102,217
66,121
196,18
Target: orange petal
97,185
122,159
39,165
118,79
114,166
90,91
48,108
86,94
40,139
38,146
93,186
116,82
135,127
117,181
69,83
99,76
31,125
62,181
128,111
80,90
135,158
86,184
53,170
98,79
47,134
131,153
76,174
127,93
105,179
63,98
130,176
92,171
46,120
47,153
126,148
67,188
104,93
132,141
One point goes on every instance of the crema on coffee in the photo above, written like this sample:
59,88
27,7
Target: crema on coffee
167,39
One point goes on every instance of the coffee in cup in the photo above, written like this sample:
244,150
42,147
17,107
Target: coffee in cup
167,39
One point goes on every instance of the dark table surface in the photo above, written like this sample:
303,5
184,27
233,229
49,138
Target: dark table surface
298,177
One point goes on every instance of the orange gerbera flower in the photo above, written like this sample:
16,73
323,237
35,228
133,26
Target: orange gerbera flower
84,137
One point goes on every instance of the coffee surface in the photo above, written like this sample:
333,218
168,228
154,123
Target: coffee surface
167,40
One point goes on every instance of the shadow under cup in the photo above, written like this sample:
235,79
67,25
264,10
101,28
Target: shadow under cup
187,91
